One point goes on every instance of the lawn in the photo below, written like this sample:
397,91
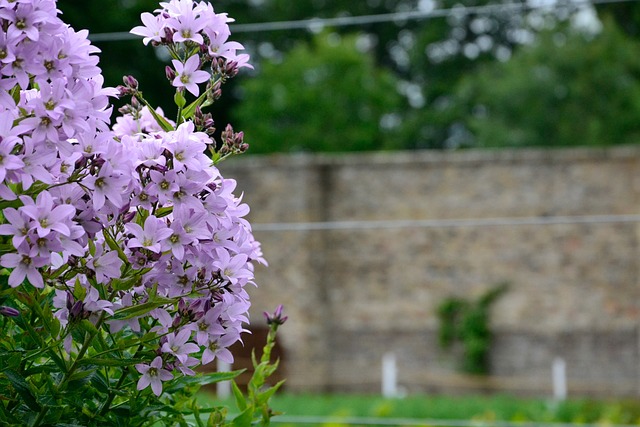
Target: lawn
475,408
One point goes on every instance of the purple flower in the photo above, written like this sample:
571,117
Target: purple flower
93,303
105,265
45,216
178,346
232,268
218,348
151,237
153,375
208,327
24,265
188,75
18,227
187,25
108,184
152,30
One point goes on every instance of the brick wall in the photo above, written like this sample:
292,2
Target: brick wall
354,293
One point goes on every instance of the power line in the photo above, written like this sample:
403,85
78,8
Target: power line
345,21
447,223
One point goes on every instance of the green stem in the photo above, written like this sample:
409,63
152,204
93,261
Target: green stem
76,363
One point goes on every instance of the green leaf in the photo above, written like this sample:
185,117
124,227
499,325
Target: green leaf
141,309
164,211
87,327
241,401
244,418
179,99
264,396
115,247
50,367
125,284
98,361
191,108
164,124
23,389
79,291
214,377
99,381
92,247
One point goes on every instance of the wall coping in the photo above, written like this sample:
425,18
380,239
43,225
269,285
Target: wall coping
435,157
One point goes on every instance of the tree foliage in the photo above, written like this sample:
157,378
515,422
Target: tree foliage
565,90
443,68
327,96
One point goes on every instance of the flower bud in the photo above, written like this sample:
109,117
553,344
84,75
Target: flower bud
76,310
128,217
130,82
135,104
276,318
168,35
170,73
9,311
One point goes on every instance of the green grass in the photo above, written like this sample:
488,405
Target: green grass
484,408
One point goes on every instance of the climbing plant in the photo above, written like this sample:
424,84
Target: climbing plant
468,322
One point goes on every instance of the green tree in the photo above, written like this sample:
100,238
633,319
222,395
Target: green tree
566,89
121,57
323,96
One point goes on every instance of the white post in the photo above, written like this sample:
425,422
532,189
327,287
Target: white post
389,375
223,388
559,375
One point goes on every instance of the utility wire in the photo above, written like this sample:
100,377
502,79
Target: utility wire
345,21
447,223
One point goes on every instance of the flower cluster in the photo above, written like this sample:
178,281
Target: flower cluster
132,229
53,110
195,35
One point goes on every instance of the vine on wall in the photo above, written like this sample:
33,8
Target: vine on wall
468,322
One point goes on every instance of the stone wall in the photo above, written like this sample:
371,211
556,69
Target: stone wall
358,282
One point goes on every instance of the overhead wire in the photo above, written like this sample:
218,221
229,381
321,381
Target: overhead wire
446,223
358,20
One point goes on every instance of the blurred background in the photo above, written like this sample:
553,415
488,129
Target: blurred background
446,191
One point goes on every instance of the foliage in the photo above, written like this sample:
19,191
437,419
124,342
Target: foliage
327,96
468,322
427,58
125,253
551,94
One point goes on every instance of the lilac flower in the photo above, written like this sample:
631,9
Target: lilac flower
151,237
187,25
37,158
45,216
152,30
8,140
106,185
217,347
93,303
177,241
105,265
178,346
188,76
18,227
24,265
232,268
188,148
162,185
209,326
153,374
